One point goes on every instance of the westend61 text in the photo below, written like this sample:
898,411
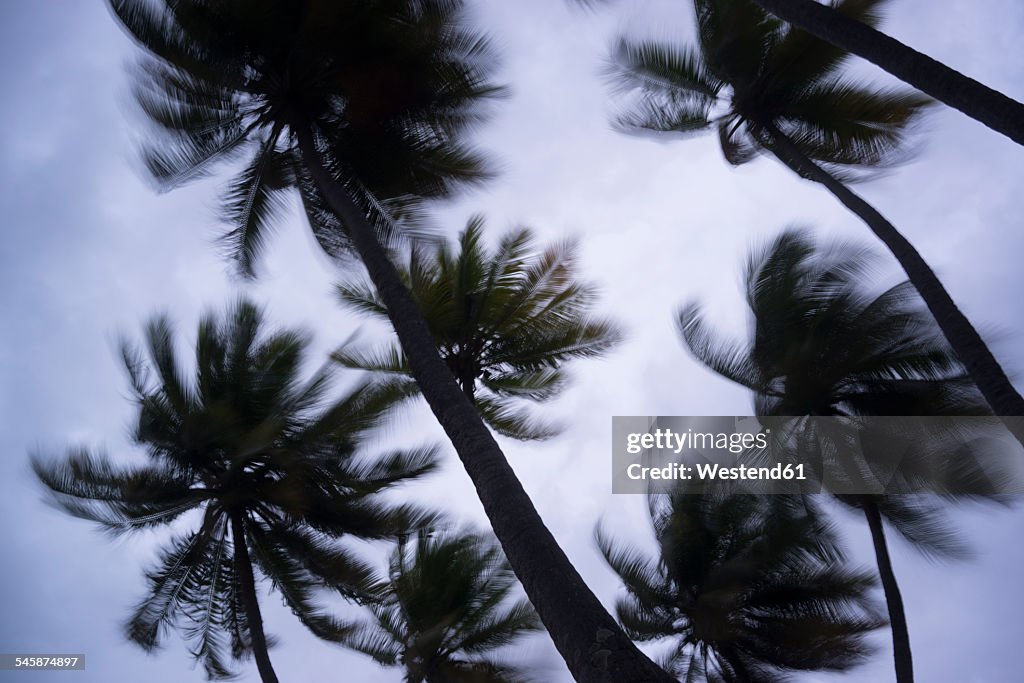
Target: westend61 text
714,471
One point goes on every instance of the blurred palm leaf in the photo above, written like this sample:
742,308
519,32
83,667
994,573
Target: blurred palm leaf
748,588
246,444
750,72
447,609
821,344
388,89
505,322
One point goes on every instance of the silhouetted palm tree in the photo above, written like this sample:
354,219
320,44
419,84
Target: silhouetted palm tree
749,588
830,22
767,88
363,107
505,322
256,473
821,344
446,611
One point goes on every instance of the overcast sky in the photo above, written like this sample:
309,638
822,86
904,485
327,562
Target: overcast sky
90,251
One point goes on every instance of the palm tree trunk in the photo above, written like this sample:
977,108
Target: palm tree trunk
893,599
243,569
990,107
588,638
984,369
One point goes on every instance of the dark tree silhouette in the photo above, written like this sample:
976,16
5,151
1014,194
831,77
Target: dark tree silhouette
363,107
447,610
748,588
767,88
275,479
831,23
505,321
821,344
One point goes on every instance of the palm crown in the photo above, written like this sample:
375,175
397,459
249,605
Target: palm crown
447,610
273,476
821,344
505,321
752,74
387,87
747,587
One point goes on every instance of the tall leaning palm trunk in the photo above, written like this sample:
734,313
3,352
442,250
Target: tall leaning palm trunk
767,87
902,655
983,367
821,344
360,106
250,601
588,638
990,107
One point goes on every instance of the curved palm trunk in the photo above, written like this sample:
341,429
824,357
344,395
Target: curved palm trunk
243,569
588,638
893,599
961,335
990,107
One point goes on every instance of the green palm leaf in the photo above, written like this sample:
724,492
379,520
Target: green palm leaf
246,440
447,612
749,72
746,587
505,320
389,88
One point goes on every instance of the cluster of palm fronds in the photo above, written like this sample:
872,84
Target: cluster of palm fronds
363,108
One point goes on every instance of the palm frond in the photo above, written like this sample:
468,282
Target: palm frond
839,122
254,201
660,67
728,360
248,435
665,115
746,587
118,499
800,58
387,359
448,611
515,423
178,579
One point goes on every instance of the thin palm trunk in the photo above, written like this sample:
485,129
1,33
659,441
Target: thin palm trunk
243,570
468,382
990,107
893,599
984,369
588,638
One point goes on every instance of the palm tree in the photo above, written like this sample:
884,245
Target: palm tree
766,88
821,345
504,321
446,611
748,587
363,107
257,476
831,22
